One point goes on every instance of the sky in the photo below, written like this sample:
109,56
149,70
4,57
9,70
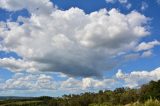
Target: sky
57,47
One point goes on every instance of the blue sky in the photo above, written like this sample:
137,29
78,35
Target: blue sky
71,46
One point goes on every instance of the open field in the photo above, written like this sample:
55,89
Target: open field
149,102
20,103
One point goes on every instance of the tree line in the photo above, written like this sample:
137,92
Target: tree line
117,97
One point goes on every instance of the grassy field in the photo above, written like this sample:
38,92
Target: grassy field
20,103
149,102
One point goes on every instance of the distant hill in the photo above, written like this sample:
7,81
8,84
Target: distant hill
14,97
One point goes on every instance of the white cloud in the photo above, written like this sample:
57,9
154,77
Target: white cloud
16,65
36,6
71,84
22,81
120,74
123,1
34,82
86,84
144,6
147,53
90,83
134,56
71,41
137,78
110,1
129,5
147,46
120,1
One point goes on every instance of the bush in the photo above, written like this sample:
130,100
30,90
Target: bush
152,103
149,102
103,104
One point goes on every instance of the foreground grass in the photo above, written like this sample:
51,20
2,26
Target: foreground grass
149,102
22,103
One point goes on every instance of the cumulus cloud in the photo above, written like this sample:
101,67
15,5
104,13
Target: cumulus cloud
70,41
16,65
120,74
90,83
22,81
147,46
36,6
34,82
137,78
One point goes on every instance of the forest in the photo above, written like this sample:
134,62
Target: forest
147,95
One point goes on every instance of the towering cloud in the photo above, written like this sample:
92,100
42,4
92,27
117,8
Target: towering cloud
71,41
